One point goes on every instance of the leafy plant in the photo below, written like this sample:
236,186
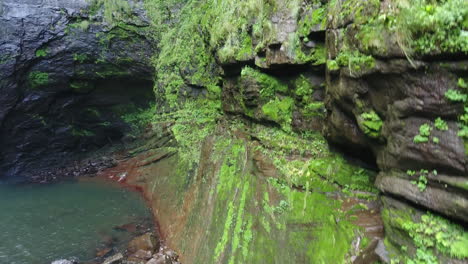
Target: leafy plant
433,26
455,96
440,124
371,124
424,133
421,183
280,110
438,233
41,53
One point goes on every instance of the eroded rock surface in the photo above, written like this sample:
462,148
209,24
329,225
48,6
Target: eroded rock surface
67,74
399,96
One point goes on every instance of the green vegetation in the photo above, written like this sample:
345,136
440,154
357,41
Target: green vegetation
418,27
192,124
355,61
433,26
370,123
139,118
245,210
430,234
282,203
280,110
82,25
424,133
440,124
456,96
422,180
269,85
41,53
313,17
38,79
113,10
81,58
461,96
79,132
304,94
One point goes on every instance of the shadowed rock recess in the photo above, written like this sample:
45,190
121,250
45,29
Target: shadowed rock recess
281,131
66,77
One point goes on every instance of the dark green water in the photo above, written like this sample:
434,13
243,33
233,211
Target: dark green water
42,223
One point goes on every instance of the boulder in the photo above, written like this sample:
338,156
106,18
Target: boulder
146,242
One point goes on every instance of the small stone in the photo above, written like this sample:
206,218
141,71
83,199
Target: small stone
171,254
62,261
145,242
141,255
115,259
160,260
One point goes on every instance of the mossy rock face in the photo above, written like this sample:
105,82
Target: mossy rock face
422,189
293,102
383,99
422,237
241,201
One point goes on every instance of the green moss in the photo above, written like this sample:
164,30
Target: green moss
304,97
176,66
82,25
81,86
431,26
38,79
316,56
113,10
41,53
435,232
79,132
280,111
370,123
227,228
332,238
193,123
81,58
269,85
137,118
332,65
355,61
111,71
314,18
371,37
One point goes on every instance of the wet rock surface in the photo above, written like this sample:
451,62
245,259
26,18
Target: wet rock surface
67,75
401,95
405,95
144,249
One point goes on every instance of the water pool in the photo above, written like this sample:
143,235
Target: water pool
42,223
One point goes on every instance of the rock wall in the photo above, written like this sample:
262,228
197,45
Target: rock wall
383,106
68,71
233,156
374,77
